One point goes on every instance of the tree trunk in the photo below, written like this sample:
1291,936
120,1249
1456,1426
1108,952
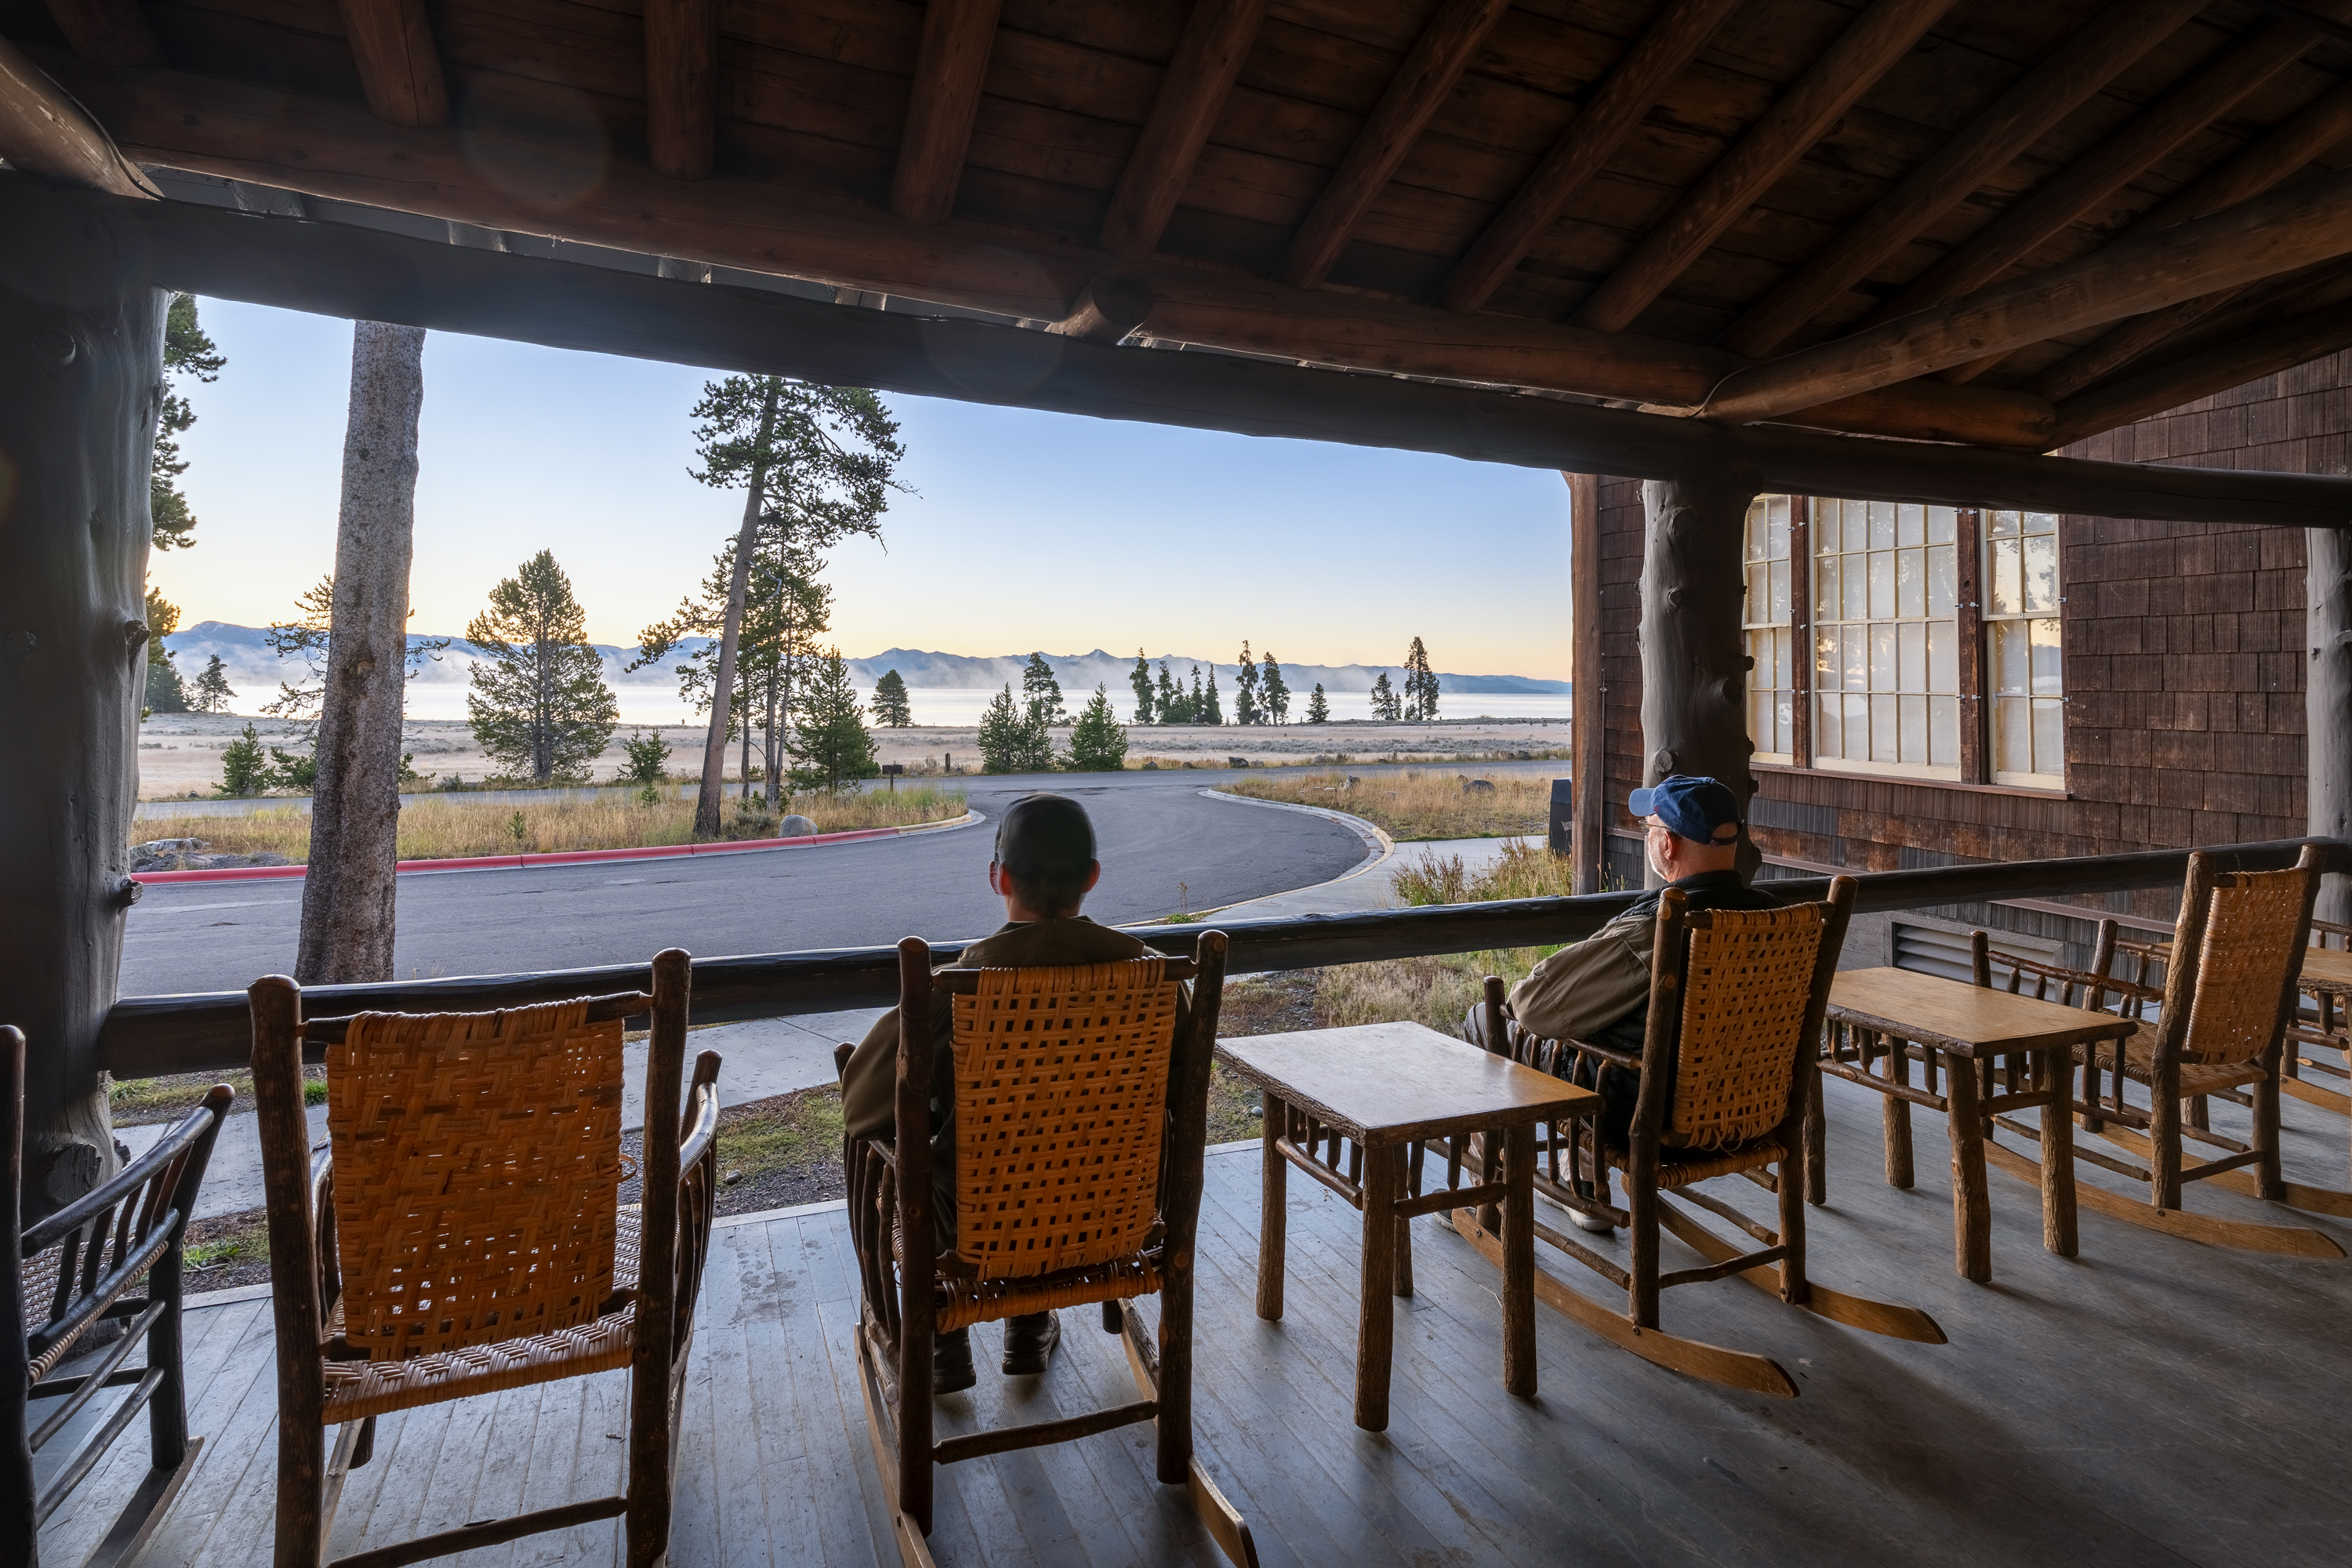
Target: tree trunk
2327,701
1694,669
347,898
82,375
707,803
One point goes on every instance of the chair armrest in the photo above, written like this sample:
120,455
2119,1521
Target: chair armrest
1611,1054
701,1127
181,1140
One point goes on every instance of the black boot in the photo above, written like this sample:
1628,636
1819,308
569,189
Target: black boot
1029,1342
952,1363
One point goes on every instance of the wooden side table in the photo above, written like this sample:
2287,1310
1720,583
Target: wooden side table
1964,1026
1374,1091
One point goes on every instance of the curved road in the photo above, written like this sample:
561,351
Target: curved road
1155,831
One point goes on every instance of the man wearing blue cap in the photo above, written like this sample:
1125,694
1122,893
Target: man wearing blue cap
1598,989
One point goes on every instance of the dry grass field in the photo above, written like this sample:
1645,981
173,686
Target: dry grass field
444,829
1419,804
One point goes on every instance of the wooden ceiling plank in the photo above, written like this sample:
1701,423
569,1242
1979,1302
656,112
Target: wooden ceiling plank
2284,151
2308,223
1192,92
681,85
1801,117
1420,87
2098,51
44,131
108,32
2298,341
1628,93
942,105
2206,95
399,65
340,269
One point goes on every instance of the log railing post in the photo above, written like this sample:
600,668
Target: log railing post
1588,735
2328,700
1694,668
81,375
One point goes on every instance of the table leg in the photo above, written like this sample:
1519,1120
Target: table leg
1971,1211
2057,1076
1817,1162
1274,1205
1897,1114
1404,1226
1520,1261
1376,1334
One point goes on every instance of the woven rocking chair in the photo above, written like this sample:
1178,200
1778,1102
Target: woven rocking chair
1080,1113
462,1234
1735,996
111,1258
2227,997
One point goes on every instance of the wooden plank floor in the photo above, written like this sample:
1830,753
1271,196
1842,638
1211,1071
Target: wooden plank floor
2153,1402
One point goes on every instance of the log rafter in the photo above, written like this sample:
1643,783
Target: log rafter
2278,233
681,85
44,131
1193,91
399,65
1801,117
1414,95
2093,57
2296,340
108,32
2203,97
944,102
1625,96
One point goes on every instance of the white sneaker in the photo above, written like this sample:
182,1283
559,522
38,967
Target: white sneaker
1591,1222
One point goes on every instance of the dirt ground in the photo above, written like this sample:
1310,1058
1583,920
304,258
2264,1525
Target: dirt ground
180,754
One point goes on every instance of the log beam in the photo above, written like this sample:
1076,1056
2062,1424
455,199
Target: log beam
1192,92
1418,90
2275,234
43,131
681,85
1801,117
108,32
958,35
399,65
1109,307
1694,669
2208,93
81,378
370,275
2097,52
1602,124
2298,341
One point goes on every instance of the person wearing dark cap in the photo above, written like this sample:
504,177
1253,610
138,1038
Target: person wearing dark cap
1044,867
1598,989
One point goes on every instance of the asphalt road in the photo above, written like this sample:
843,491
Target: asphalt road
1155,831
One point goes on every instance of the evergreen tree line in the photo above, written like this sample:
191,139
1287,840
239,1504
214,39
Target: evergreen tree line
1261,695
1016,737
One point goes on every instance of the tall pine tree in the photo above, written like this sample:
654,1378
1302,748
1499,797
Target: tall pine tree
890,706
1172,702
212,687
1041,692
1420,685
1097,744
1384,698
186,352
1140,679
1013,738
166,694
1245,708
1319,707
830,745
1274,692
539,705
1211,710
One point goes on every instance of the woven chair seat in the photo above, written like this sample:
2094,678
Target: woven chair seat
1681,1167
2196,1077
359,1389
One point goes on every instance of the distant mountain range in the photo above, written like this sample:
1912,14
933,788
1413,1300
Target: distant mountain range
254,671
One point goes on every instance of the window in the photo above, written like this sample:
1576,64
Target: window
2023,677
1886,634
1771,632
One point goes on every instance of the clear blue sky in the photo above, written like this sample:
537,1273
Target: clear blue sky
1030,530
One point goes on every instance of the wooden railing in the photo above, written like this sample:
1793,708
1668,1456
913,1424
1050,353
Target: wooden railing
210,1031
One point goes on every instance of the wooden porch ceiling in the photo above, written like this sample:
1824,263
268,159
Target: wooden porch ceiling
2005,223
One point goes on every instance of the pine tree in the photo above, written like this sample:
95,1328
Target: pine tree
1319,707
890,701
212,687
1197,714
1211,710
1140,679
831,743
540,703
1041,692
1013,739
244,769
1384,698
1245,708
164,693
1097,744
1275,692
1173,705
187,351
1420,685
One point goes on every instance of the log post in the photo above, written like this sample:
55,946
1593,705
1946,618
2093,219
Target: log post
81,375
1694,669
1588,734
2327,701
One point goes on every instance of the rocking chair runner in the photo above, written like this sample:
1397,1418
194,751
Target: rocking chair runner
1736,995
111,1257
474,1241
2227,1001
1081,1114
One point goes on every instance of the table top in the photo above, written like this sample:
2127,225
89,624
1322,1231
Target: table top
1966,1020
2326,968
1395,1083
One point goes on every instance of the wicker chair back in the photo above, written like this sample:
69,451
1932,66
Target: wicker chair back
1746,991
2253,934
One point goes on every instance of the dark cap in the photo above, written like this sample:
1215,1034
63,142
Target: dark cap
1696,808
1045,839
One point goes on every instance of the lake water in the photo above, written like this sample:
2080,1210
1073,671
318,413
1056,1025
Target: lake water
962,706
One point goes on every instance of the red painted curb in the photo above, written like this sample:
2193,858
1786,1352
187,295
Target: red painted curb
557,858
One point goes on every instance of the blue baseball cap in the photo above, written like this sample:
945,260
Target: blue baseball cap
1694,807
